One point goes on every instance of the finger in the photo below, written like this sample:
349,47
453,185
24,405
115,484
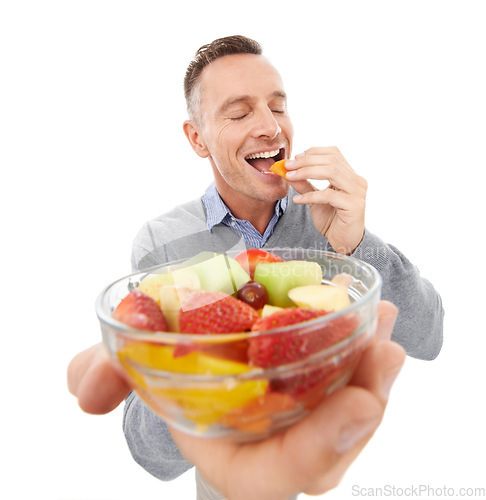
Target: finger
80,364
335,473
379,370
333,166
309,160
102,388
338,428
336,176
330,167
328,150
303,186
337,199
389,357
333,476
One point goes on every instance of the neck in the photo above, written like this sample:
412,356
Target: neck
258,213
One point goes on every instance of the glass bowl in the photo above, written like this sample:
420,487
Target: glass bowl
203,384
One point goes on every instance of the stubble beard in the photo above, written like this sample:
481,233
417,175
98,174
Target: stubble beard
250,188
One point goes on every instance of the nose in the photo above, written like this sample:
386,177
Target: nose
266,125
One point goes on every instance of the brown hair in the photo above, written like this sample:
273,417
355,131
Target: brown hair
236,44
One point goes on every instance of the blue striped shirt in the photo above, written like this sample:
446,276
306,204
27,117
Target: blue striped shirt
218,213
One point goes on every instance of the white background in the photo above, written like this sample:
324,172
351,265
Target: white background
91,146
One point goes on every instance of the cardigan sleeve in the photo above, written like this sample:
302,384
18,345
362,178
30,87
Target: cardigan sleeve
419,325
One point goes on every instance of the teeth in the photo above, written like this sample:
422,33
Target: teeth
266,154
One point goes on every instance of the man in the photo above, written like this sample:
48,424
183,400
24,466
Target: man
239,121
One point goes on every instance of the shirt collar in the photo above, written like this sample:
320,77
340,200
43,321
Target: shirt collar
217,211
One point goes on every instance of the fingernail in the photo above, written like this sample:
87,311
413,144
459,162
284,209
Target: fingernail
290,173
354,433
297,197
388,381
289,163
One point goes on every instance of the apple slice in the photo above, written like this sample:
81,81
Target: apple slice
170,299
185,277
280,277
325,297
268,309
152,282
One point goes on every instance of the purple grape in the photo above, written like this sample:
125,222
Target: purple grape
254,294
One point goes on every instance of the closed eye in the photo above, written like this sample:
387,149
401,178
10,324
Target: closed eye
239,117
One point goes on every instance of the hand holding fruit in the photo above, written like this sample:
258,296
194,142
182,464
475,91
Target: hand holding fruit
338,211
94,380
312,456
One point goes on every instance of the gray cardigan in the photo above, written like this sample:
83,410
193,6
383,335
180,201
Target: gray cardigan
182,232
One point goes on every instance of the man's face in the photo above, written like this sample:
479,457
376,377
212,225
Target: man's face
245,126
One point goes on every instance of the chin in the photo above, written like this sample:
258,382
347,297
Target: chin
273,195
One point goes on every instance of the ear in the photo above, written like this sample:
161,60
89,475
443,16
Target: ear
195,138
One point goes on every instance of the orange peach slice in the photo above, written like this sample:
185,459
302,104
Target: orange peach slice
278,168
203,403
256,416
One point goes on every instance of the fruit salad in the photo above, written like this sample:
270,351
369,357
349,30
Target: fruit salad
249,340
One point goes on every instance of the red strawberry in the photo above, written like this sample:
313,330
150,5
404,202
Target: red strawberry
248,259
140,311
340,328
215,312
270,350
311,384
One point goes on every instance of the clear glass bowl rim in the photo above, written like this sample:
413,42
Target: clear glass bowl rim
173,337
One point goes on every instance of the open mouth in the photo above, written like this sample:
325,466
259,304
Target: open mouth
262,161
